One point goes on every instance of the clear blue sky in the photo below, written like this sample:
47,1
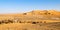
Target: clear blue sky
16,6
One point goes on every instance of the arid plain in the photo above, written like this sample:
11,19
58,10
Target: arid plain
33,20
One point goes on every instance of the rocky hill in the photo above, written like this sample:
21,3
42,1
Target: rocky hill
36,13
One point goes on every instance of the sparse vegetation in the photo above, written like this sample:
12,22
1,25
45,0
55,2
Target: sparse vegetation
35,20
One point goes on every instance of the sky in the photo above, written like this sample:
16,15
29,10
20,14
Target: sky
20,6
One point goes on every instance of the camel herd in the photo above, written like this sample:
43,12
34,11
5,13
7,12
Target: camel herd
18,21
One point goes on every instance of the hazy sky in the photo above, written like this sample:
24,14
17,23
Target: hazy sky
16,6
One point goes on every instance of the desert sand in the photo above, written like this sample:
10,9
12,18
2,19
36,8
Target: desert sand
33,20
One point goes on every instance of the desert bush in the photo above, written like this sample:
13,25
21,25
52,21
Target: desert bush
40,21
20,22
25,29
44,21
0,22
10,21
24,13
33,22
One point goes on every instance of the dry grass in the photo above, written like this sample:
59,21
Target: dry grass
35,20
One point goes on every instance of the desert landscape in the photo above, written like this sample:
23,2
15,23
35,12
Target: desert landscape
33,20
